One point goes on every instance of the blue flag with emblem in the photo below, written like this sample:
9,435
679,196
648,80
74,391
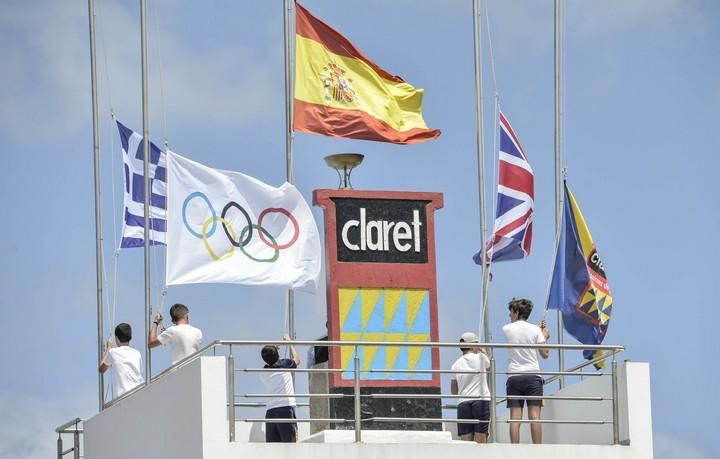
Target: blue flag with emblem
579,289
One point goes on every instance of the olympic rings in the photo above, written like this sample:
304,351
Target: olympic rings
225,227
292,220
198,194
209,226
261,230
207,244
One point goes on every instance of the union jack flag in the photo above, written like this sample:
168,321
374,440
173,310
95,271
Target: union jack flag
512,233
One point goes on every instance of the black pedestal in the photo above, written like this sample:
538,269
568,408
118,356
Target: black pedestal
344,408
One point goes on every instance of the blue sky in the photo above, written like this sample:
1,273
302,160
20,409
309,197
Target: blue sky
642,100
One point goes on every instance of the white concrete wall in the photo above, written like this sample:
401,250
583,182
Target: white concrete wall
163,420
184,415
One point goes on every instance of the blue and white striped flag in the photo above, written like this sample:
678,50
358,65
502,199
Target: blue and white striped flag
133,219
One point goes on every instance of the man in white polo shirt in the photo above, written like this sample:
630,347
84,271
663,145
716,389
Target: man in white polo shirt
183,338
521,361
280,383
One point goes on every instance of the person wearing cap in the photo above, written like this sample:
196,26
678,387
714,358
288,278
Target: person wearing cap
523,367
475,403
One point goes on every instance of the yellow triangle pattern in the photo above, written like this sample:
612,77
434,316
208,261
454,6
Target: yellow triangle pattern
346,298
347,352
415,298
391,352
369,301
414,352
369,352
392,301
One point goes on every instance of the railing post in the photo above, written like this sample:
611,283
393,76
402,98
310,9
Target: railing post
231,395
76,443
358,426
493,404
59,447
616,427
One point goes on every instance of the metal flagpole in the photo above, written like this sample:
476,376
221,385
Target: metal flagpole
146,179
287,10
558,162
481,163
98,201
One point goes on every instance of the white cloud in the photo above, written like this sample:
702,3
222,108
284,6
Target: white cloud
669,446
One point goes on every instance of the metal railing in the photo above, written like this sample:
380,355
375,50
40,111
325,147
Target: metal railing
609,353
65,429
357,420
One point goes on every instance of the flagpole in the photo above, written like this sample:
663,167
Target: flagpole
481,164
146,180
98,202
287,10
558,162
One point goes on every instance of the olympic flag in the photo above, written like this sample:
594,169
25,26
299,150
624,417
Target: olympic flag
227,227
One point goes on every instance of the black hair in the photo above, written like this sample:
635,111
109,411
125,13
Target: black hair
178,311
523,307
123,333
270,354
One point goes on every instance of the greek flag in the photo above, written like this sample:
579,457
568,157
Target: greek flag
133,219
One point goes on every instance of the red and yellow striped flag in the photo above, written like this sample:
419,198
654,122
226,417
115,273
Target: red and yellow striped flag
339,92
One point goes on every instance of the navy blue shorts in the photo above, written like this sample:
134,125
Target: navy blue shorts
285,432
473,409
524,385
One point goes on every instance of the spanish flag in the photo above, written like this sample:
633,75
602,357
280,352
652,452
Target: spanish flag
339,92
580,289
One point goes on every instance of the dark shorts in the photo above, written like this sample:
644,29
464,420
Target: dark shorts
474,409
285,432
524,385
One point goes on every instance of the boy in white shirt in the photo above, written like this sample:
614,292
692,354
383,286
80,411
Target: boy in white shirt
280,383
477,404
519,331
183,338
125,361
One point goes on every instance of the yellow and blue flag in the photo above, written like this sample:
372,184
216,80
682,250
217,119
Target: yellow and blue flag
579,289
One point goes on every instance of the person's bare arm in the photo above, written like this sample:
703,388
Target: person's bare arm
152,337
544,353
293,353
104,366
453,387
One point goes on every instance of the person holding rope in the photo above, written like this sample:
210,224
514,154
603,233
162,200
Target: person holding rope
183,338
474,386
280,383
523,366
125,360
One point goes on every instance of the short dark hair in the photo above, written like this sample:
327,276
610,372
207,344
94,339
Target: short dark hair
123,332
522,306
270,354
178,311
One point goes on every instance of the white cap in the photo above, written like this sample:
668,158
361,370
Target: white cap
469,337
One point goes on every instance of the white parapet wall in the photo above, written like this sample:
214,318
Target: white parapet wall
183,414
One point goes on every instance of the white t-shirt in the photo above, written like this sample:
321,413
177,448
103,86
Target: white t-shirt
126,363
184,339
521,332
281,383
475,386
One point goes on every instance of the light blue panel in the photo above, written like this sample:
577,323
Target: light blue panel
422,318
379,362
398,323
400,364
353,323
424,363
349,373
376,322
